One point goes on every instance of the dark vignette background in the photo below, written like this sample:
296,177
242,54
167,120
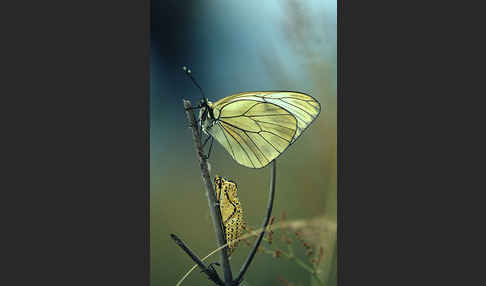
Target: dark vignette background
74,104
233,47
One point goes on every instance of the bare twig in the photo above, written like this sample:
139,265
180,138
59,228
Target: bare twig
211,273
213,208
265,223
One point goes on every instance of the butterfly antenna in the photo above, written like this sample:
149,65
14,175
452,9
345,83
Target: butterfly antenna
189,73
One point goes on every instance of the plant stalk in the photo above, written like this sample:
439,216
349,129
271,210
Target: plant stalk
213,207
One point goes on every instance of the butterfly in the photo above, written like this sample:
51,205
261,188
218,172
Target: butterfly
231,211
257,127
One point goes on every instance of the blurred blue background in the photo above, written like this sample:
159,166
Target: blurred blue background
234,46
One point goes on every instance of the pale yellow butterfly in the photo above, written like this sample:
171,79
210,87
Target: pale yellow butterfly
256,127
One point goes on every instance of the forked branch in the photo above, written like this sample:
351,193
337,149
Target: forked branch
213,207
216,212
210,272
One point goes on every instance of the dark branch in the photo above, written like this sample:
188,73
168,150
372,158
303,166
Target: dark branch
211,273
265,224
213,207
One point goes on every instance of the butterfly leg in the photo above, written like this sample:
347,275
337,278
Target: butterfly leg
206,141
210,146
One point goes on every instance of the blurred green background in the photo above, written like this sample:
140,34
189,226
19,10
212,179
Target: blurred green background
232,47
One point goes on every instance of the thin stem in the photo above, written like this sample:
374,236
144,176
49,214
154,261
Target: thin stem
194,267
211,273
213,208
245,266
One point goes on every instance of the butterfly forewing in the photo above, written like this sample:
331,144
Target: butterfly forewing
256,127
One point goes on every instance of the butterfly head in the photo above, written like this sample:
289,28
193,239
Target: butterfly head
206,115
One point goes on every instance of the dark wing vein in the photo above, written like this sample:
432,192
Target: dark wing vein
223,131
244,141
263,139
306,101
272,145
312,116
275,135
250,108
238,143
278,114
254,131
261,152
231,102
276,124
